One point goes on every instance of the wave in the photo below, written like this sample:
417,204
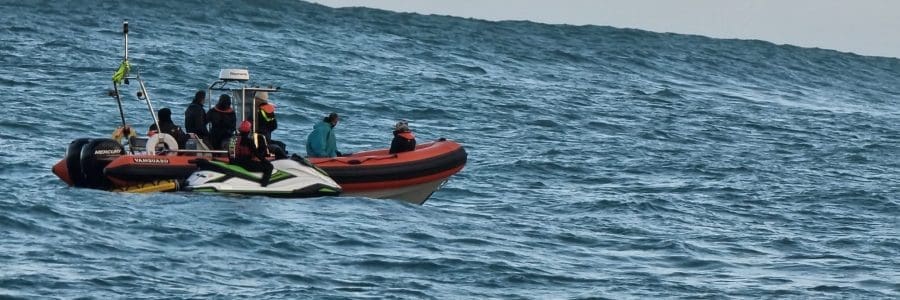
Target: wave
640,164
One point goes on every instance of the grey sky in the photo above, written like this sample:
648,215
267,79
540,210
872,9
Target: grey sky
867,27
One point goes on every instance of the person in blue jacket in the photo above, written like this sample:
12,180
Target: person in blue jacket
321,142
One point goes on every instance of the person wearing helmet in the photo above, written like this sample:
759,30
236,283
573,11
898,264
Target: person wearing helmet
251,155
404,140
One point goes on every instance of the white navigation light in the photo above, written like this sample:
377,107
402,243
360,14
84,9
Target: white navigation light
234,74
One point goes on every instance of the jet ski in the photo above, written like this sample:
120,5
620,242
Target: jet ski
291,178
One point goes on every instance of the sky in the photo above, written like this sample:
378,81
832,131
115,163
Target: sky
865,27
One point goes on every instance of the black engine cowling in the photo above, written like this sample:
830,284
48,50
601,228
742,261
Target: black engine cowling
73,161
95,155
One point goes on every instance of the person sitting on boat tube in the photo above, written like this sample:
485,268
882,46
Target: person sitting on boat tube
322,142
404,140
164,117
250,153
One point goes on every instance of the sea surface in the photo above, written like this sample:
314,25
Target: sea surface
603,162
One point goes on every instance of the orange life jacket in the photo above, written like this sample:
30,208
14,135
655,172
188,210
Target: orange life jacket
268,108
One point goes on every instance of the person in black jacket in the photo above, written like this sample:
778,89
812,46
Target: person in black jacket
265,120
195,116
164,117
266,123
251,156
222,120
404,140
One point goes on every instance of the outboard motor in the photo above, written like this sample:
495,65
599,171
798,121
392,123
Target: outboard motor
96,155
73,161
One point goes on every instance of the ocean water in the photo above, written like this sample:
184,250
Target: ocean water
603,162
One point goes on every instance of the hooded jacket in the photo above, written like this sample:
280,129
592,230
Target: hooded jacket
321,142
164,117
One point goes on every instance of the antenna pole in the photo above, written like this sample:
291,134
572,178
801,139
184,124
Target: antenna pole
126,132
125,31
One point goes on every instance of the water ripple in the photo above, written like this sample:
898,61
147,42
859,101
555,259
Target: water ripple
603,162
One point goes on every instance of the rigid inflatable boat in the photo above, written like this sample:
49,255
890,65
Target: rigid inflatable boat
408,176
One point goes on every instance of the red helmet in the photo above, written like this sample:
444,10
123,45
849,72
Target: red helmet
245,127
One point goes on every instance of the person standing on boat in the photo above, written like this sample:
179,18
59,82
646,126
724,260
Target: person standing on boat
251,154
195,116
167,126
265,118
404,140
222,121
322,142
266,123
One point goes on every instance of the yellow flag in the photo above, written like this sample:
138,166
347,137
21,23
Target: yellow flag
120,74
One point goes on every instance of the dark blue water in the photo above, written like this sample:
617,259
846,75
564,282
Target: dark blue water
603,162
